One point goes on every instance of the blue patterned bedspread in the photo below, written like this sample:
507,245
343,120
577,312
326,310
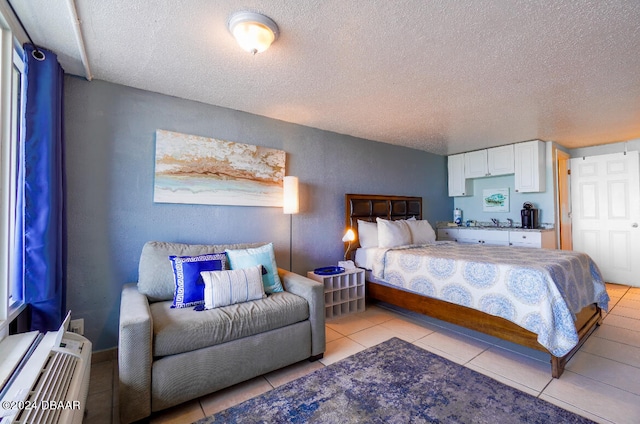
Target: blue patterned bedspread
538,289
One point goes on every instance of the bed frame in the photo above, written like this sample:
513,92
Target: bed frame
369,207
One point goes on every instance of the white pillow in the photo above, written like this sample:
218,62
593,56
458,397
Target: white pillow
421,231
367,234
393,233
222,288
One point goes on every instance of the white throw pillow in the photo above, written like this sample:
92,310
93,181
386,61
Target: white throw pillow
421,231
367,234
393,233
222,288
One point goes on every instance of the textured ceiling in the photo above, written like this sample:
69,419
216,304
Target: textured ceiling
442,76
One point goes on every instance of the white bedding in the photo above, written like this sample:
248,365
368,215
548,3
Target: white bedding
366,257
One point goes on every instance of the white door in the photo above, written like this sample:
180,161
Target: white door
605,201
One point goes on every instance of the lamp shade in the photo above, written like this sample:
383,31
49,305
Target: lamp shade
253,32
349,236
291,203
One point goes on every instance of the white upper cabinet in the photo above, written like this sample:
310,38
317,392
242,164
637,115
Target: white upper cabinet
458,184
489,162
530,169
500,160
527,160
475,164
538,239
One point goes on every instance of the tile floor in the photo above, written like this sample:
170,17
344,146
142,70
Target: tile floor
601,382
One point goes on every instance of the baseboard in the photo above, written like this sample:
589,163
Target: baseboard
104,355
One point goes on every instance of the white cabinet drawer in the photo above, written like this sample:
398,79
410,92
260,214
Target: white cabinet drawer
525,238
448,234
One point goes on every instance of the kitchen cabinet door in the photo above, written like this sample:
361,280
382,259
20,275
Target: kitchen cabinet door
466,235
448,234
495,238
475,164
458,184
500,160
530,167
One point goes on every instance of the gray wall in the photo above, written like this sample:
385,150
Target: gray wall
110,147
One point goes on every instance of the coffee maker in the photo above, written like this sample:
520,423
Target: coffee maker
529,215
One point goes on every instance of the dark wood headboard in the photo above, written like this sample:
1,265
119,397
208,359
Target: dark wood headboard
368,207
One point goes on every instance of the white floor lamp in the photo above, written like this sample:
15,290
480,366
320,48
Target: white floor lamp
290,206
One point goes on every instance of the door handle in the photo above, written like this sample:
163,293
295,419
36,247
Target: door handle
634,225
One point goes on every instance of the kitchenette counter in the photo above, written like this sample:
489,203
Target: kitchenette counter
498,235
490,226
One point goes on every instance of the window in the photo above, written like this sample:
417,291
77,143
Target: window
11,71
15,287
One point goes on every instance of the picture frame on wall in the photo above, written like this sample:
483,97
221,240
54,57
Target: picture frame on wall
495,200
200,170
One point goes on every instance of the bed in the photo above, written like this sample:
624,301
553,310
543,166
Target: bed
574,292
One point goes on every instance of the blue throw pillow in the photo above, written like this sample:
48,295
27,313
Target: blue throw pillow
186,273
246,258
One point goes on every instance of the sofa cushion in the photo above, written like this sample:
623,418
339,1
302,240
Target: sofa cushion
182,330
155,273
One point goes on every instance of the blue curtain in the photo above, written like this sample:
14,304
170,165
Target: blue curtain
41,235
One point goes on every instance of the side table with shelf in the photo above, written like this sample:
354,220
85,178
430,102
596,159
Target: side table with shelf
343,293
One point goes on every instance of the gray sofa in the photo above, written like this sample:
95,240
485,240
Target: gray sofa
169,356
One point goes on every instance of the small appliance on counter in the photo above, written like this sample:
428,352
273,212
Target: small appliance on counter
529,215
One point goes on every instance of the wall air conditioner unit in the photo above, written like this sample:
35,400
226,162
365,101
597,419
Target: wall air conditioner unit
45,377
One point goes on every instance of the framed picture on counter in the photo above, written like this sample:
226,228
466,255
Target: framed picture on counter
495,200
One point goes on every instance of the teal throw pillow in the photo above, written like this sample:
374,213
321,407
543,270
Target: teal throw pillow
263,255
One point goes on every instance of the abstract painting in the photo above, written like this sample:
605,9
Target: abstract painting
495,200
201,170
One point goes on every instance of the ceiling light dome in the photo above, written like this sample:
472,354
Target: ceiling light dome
253,32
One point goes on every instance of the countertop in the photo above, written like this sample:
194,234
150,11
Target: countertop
490,226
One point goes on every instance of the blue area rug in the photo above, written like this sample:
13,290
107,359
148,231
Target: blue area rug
395,382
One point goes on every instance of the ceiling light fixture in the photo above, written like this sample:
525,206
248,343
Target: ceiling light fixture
253,32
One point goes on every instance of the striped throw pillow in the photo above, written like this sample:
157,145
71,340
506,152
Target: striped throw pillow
223,288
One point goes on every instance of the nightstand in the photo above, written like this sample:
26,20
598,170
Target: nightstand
343,293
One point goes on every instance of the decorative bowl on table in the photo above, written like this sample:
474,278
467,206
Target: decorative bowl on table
329,270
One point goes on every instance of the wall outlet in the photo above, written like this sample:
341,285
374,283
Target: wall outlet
77,326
